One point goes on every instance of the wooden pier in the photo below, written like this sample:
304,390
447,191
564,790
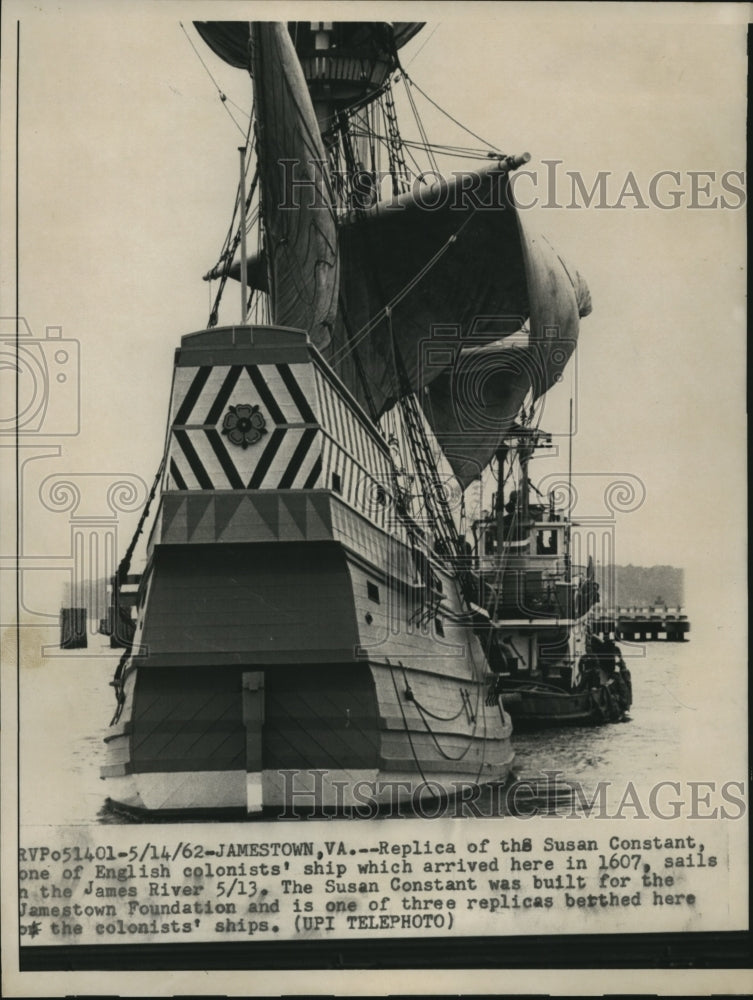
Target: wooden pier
647,624
119,623
73,628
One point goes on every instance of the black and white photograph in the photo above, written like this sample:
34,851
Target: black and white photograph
374,537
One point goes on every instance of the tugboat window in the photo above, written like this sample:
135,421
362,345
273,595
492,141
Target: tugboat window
546,543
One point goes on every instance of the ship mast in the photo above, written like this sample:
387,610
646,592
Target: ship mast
501,456
568,568
524,456
244,257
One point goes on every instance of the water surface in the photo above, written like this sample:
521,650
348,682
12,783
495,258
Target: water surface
67,702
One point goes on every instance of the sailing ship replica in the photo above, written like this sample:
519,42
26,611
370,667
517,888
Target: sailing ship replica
312,628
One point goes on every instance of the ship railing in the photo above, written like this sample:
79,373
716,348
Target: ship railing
528,596
550,567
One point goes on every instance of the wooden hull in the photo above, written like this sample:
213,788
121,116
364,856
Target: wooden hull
295,647
309,736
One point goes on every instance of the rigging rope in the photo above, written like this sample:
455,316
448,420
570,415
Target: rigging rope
223,96
448,543
120,577
394,142
410,694
422,714
423,93
364,382
397,299
425,42
419,123
503,555
228,255
125,562
405,725
467,152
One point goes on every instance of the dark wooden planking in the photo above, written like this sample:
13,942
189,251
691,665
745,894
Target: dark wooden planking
188,720
307,721
252,602
192,719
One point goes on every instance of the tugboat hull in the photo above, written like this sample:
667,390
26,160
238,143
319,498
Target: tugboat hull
531,709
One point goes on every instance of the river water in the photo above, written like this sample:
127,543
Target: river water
66,702
637,753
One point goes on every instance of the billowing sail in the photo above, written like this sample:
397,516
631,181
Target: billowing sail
461,281
474,403
447,263
559,298
442,291
297,200
437,267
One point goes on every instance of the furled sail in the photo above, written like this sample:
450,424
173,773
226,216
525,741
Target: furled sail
298,204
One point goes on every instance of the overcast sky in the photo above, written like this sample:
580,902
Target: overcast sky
128,172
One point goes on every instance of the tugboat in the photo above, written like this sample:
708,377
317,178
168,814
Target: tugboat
553,666
310,629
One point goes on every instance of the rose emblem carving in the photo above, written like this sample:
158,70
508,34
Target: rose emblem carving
244,425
